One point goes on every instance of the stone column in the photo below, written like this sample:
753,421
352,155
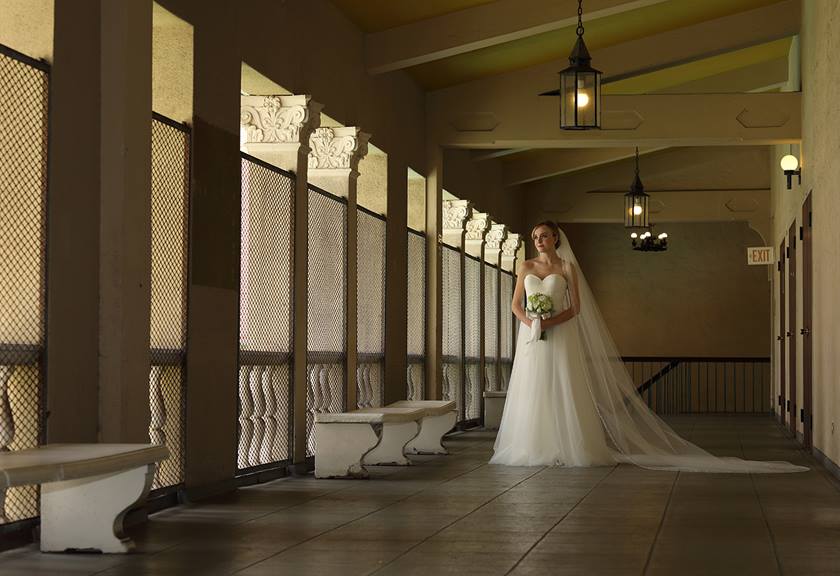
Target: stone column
492,255
434,303
125,221
333,166
476,228
277,129
456,213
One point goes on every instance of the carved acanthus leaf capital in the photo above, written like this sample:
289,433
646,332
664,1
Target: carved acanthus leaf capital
477,225
278,119
511,244
495,237
455,214
336,148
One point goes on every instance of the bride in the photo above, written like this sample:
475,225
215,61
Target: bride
570,401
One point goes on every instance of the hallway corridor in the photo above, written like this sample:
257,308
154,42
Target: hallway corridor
458,515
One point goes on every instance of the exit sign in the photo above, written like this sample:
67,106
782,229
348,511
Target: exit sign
760,256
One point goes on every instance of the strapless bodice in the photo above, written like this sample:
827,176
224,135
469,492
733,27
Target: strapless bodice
553,285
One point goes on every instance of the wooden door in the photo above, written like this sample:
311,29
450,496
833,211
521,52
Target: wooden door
791,332
781,337
807,315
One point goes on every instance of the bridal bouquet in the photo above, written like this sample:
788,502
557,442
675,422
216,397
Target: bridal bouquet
539,307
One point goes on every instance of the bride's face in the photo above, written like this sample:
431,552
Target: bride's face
544,239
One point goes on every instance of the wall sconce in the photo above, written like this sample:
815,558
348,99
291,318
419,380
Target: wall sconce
790,166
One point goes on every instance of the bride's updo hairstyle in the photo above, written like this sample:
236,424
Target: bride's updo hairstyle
555,229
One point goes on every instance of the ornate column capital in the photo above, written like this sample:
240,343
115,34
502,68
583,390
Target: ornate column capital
276,119
478,225
455,214
509,249
338,148
495,237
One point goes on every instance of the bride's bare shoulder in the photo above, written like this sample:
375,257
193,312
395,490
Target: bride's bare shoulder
529,264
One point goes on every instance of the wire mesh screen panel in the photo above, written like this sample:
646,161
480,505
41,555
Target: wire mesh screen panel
416,308
24,95
265,315
370,309
505,328
472,338
327,277
491,326
168,328
452,360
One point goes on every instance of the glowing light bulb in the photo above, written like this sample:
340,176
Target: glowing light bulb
634,235
789,163
662,236
582,99
637,210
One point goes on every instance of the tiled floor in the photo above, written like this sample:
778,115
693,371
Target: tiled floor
458,515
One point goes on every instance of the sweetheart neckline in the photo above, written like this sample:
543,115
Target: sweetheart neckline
543,279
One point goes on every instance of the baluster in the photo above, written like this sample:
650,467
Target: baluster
446,390
255,384
269,417
370,396
360,385
280,444
157,434
409,378
324,385
246,411
7,427
311,389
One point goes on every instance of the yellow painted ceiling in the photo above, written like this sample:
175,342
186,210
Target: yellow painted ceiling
378,15
549,46
700,69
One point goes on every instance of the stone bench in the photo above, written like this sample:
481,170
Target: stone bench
346,441
439,417
494,406
86,490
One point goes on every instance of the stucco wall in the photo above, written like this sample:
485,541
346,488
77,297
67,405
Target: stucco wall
702,280
820,175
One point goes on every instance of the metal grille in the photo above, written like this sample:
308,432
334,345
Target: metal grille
452,360
370,309
472,338
265,314
491,326
168,329
505,328
416,308
24,98
327,279
702,385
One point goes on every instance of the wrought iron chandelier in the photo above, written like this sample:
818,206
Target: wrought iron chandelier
645,242
580,87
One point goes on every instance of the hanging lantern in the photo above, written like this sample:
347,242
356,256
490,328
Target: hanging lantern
580,87
636,202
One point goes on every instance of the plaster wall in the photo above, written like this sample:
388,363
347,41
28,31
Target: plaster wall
702,279
820,149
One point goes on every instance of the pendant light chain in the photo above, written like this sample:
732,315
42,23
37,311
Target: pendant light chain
580,18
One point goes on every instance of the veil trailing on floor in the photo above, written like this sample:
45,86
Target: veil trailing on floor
638,435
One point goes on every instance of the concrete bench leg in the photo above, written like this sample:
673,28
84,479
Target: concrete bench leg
340,448
432,429
391,449
87,513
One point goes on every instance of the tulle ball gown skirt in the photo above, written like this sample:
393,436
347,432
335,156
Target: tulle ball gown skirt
549,417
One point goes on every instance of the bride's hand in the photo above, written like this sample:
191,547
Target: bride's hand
528,322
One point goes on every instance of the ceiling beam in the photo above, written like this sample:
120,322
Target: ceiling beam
546,163
481,156
479,27
653,120
640,56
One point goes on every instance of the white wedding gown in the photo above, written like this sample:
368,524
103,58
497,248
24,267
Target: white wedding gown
571,401
549,417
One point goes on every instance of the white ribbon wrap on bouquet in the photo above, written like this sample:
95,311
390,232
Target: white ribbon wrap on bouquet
536,330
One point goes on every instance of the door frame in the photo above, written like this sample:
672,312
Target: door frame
781,337
807,324
791,333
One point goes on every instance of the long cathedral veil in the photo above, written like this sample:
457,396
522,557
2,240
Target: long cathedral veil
636,432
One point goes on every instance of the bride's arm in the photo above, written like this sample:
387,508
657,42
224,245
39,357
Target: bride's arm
571,277
518,296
